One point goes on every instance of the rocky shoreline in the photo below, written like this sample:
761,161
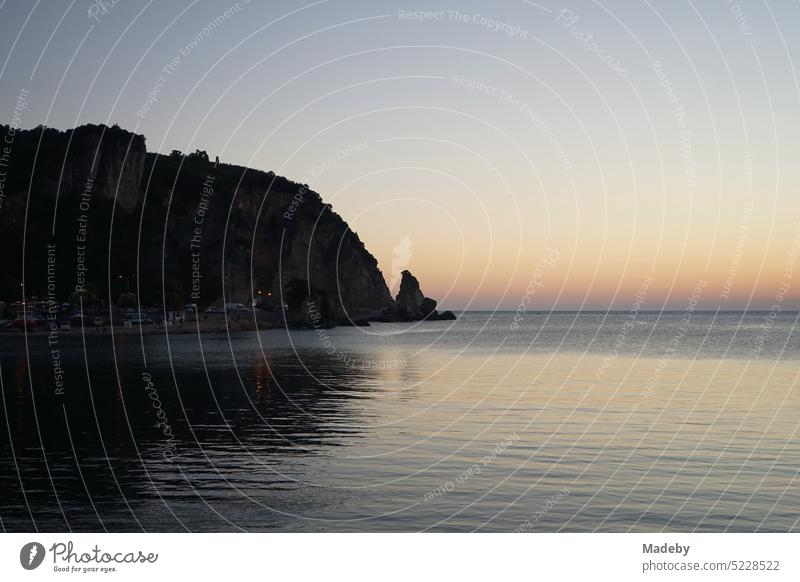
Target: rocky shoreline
215,325
216,234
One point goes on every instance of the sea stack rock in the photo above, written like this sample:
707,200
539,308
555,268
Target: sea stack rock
409,298
412,305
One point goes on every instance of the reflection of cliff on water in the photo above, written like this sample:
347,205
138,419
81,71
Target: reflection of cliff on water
189,424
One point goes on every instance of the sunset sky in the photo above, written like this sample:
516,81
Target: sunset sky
628,140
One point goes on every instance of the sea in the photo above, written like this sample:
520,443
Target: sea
494,422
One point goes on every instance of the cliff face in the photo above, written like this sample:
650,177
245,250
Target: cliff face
256,235
65,161
113,158
199,232
58,193
412,305
321,253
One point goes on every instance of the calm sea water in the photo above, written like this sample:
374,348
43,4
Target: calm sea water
573,422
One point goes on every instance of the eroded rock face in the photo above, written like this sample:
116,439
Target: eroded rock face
199,232
71,189
409,298
113,157
412,305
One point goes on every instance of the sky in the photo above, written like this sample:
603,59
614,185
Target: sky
576,155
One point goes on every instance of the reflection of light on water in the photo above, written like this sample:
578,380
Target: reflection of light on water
20,379
407,414
264,379
120,340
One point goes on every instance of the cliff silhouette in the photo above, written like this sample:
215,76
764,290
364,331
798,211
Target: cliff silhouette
90,212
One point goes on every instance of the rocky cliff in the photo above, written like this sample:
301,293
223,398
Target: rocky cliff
177,229
412,305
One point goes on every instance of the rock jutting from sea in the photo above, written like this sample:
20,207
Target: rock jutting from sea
184,229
